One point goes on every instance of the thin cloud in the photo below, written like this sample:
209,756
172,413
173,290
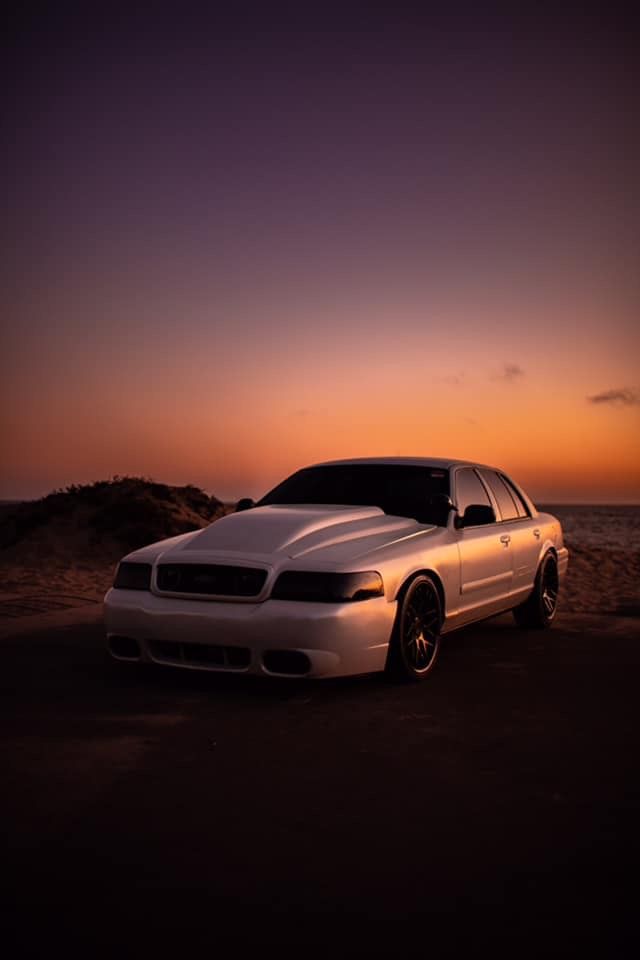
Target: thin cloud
509,373
303,412
618,398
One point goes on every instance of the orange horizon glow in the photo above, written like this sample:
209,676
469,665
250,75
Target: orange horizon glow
239,439
239,418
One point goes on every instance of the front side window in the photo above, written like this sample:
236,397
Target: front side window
469,490
506,502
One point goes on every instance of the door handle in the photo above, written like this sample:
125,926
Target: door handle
506,539
536,533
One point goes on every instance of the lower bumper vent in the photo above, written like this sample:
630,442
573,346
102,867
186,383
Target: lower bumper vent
292,662
125,648
201,654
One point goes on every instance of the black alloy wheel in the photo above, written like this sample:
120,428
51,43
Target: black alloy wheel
416,637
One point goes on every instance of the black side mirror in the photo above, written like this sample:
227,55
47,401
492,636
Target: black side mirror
244,504
476,515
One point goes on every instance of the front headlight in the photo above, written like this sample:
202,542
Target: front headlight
327,587
133,576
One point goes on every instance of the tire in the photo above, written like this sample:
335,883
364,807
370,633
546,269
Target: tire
415,640
539,610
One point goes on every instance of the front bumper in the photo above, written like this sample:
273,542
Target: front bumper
336,639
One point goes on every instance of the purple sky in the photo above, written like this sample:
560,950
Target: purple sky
221,226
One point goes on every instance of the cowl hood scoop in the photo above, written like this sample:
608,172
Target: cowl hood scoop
291,531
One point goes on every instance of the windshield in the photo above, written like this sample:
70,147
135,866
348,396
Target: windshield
399,490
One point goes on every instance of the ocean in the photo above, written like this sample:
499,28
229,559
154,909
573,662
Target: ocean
598,525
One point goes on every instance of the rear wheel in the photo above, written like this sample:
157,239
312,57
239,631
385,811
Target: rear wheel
416,635
539,610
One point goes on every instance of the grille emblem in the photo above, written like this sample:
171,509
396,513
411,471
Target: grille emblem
207,580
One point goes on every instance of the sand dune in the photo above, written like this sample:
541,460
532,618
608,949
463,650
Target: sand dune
63,549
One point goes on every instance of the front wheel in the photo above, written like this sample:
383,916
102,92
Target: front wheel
415,641
539,609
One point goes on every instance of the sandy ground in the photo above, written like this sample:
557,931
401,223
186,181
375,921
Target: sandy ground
493,807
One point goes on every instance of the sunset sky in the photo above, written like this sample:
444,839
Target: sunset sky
237,245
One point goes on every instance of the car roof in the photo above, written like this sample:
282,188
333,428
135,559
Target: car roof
445,463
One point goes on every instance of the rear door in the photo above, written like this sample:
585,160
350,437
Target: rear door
520,526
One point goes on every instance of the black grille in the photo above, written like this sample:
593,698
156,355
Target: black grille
201,654
210,578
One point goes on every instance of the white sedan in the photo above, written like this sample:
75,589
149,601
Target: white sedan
347,567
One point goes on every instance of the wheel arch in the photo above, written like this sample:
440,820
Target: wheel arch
547,547
426,571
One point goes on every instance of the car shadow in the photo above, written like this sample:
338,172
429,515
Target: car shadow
71,667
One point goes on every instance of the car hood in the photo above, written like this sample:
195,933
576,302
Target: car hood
324,534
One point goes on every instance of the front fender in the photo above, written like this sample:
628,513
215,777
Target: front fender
442,565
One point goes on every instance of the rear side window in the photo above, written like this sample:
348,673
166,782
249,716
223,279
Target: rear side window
521,507
506,503
469,490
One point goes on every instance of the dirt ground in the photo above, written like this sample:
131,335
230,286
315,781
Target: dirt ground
494,806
